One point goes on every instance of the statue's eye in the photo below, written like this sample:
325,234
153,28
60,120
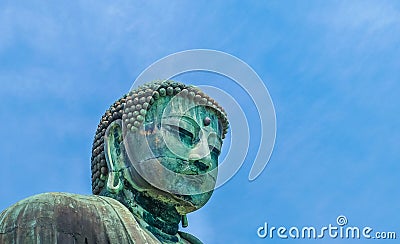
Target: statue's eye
185,136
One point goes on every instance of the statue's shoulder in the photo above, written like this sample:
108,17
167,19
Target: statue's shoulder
69,218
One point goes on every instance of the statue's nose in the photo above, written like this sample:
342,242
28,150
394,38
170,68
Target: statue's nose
200,154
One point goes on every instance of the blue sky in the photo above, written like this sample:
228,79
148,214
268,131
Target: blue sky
331,68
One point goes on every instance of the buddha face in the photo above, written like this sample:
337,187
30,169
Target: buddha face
176,151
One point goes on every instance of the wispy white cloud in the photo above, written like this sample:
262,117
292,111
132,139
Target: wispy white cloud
359,26
368,16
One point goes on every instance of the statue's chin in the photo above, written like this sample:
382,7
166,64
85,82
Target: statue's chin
193,202
183,203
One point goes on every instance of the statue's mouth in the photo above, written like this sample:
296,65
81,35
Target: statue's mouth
181,166
175,176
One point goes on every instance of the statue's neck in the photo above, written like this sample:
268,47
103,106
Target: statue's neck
161,219
157,214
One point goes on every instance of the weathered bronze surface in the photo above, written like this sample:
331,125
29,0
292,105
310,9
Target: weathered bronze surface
154,160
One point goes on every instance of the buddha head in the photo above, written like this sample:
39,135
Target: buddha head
161,140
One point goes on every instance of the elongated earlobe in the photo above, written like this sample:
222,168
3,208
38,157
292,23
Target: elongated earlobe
114,158
114,182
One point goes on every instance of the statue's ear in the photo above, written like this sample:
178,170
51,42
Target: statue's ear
114,155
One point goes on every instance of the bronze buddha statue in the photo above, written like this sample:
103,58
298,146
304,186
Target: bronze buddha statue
154,160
